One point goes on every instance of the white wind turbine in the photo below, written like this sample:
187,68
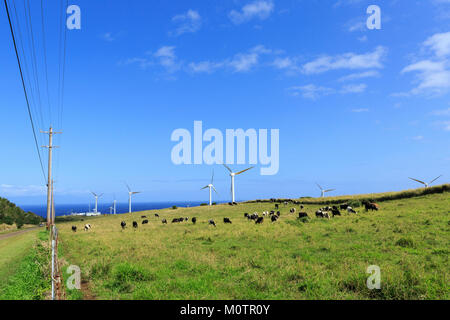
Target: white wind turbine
232,175
96,200
130,193
323,191
211,187
424,183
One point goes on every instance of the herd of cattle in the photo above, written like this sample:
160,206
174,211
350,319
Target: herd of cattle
324,212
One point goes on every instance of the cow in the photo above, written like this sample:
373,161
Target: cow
211,222
302,215
123,224
319,214
156,215
174,220
350,210
335,212
145,222
371,206
87,227
246,215
276,206
274,218
74,228
259,220
164,221
343,206
194,220
278,214
186,219
326,215
135,224
226,220
143,217
301,207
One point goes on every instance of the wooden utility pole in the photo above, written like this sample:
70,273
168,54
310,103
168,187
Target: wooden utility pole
49,175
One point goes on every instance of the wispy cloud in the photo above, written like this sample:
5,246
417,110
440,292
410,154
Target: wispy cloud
360,110
443,112
312,91
354,88
107,37
18,191
350,60
188,22
260,9
433,73
360,75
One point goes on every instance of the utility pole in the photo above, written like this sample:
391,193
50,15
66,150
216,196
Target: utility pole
53,204
49,175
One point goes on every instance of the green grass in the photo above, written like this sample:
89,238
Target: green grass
290,259
24,267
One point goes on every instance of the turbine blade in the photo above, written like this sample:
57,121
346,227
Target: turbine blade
128,187
329,190
319,186
215,189
204,187
212,178
136,192
244,170
227,168
418,181
434,179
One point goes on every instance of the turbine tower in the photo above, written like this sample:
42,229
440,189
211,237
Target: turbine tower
424,183
96,200
130,194
323,191
232,175
211,187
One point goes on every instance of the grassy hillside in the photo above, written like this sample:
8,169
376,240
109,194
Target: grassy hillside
11,214
290,259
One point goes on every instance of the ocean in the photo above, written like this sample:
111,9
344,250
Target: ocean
67,209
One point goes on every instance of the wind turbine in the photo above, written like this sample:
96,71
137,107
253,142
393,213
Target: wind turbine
232,175
324,191
96,200
210,186
130,193
424,183
114,204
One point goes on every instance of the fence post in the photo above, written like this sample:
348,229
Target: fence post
54,239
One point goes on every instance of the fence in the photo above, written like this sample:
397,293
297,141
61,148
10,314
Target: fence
55,272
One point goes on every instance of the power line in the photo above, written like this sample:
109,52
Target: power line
24,88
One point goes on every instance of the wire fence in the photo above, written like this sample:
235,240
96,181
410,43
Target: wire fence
55,268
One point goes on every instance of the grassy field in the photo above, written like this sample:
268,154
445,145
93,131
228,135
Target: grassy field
24,263
408,239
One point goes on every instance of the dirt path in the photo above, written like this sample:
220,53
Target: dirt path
16,233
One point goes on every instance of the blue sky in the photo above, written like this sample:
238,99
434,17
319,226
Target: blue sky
358,110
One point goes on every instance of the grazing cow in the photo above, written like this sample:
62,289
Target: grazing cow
350,210
194,220
335,212
156,215
274,218
246,215
186,219
254,216
87,227
292,210
74,228
302,215
174,220
135,224
326,215
285,203
145,222
164,221
278,213
123,224
371,206
276,206
235,204
143,217
319,214
259,220
301,207
180,219
211,222
343,206
226,220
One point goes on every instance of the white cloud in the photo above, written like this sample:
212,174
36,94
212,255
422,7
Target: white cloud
440,44
354,88
433,73
188,22
167,58
360,75
444,112
310,91
205,66
15,191
417,138
360,110
260,9
346,61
